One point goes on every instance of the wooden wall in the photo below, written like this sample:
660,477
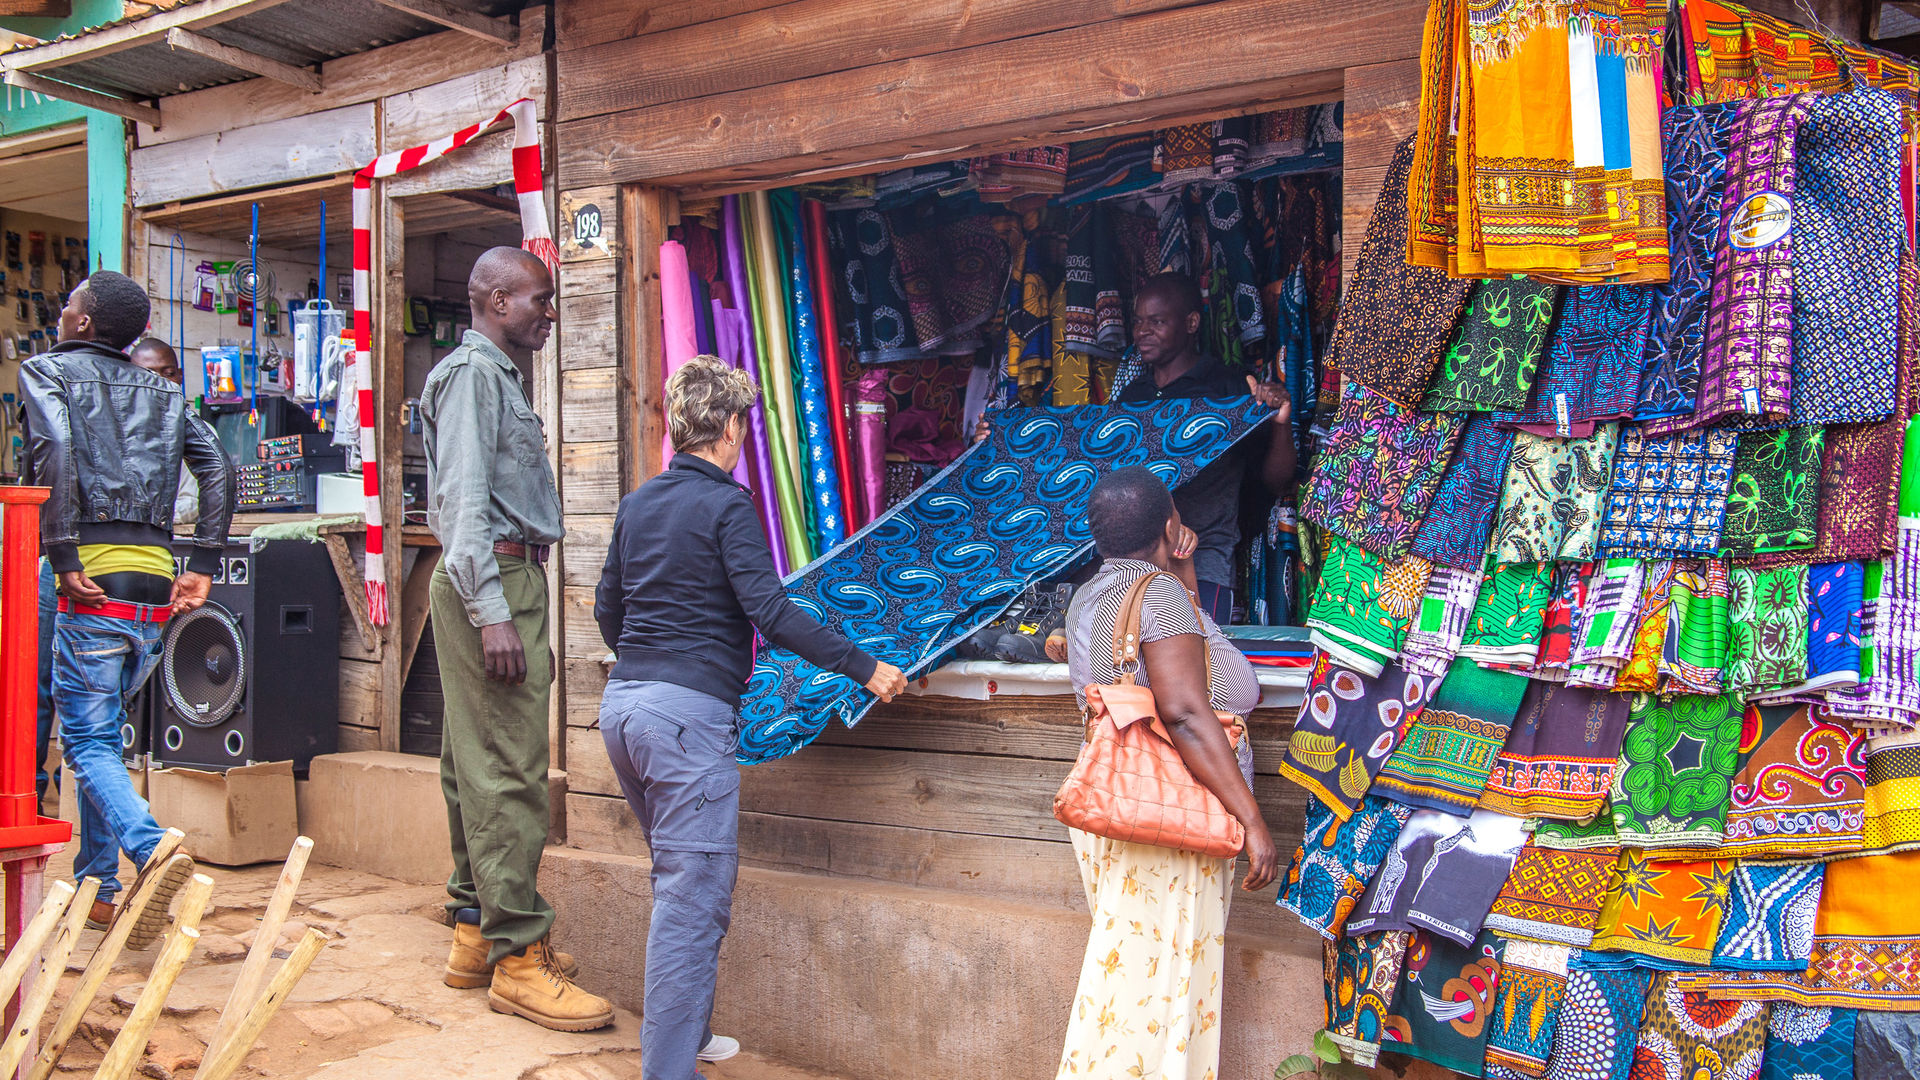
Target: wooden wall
679,98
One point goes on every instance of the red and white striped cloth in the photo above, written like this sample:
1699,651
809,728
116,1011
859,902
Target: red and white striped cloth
535,236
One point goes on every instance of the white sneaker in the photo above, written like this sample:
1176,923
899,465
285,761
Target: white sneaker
719,1048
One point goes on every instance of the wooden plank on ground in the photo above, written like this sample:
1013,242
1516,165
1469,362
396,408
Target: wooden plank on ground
356,77
801,40
582,23
1118,71
277,152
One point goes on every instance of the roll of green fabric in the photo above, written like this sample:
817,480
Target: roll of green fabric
776,386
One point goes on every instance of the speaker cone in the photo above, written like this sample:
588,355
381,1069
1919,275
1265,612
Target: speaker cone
204,661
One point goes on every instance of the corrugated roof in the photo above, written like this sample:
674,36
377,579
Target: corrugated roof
302,33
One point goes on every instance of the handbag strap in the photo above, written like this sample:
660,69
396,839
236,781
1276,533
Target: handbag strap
1126,628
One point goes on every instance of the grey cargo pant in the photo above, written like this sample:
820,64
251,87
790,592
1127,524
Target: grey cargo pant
672,749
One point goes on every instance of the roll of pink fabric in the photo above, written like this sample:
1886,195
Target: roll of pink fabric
678,337
870,410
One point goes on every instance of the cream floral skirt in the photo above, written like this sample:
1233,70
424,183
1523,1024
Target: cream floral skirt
1148,1004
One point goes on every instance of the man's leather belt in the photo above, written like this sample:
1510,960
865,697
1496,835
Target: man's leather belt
532,552
119,609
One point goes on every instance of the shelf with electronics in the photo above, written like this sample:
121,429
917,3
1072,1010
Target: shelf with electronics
41,259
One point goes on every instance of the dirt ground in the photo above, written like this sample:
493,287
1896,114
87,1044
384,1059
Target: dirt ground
372,1007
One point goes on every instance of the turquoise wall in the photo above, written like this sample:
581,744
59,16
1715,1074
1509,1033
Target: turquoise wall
22,112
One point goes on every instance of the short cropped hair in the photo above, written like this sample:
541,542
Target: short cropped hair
118,307
1128,512
1178,288
702,396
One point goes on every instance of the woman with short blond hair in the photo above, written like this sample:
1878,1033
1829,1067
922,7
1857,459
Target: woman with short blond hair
689,577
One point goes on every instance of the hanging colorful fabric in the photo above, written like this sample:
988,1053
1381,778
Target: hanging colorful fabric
1599,1024
1526,1010
1378,470
1553,498
1774,502
1361,608
1347,725
1662,914
1803,1041
1592,372
816,418
1336,860
1361,975
1440,622
1553,896
1496,349
1510,615
1768,612
1669,493
1696,142
1683,1027
1456,529
1770,917
1443,762
530,188
1801,792
1671,787
1442,876
1442,1008
1694,651
1558,761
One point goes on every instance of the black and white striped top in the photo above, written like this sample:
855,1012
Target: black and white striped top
1165,612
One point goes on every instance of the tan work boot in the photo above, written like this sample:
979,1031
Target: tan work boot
467,967
532,986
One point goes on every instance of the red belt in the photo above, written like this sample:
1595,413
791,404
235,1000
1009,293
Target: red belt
120,609
532,552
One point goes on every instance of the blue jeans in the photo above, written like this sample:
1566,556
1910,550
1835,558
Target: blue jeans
672,749
43,731
100,662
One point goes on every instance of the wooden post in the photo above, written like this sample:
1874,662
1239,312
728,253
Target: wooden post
103,957
20,1035
389,283
643,226
252,973
227,1062
127,1047
27,949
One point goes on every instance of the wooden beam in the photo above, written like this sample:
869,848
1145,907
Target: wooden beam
389,284
112,39
643,226
240,59
485,27
583,23
92,99
1108,73
488,200
807,38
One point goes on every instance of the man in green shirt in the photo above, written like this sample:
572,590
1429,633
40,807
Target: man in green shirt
492,502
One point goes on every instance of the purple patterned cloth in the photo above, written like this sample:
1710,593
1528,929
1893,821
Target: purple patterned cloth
1593,362
1460,521
1378,470
1746,364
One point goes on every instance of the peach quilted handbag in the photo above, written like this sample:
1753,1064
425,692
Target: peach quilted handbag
1129,782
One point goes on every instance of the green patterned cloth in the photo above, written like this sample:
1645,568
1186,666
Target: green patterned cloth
1443,762
1775,501
1675,775
1694,654
1554,497
1510,616
1595,835
1496,349
1768,647
1361,607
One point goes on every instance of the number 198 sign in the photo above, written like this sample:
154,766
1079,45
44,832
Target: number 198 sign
585,233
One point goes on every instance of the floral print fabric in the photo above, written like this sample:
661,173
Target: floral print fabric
1378,470
1336,860
1801,791
1688,1036
1676,769
1767,648
1775,499
1553,498
1593,362
1149,992
1346,727
1496,349
1360,608
1510,616
1458,524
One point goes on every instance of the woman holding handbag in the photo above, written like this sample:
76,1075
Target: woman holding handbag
1148,1003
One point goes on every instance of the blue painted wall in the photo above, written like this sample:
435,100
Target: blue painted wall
22,112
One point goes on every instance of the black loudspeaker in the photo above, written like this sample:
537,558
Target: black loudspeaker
254,674
136,731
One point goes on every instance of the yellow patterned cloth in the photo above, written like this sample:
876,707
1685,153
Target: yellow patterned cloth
1148,1003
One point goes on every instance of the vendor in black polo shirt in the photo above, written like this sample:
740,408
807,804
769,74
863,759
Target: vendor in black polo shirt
1166,328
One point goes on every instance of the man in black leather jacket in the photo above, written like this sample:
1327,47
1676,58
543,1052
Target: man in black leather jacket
108,439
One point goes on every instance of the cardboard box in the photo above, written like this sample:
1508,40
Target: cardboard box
234,818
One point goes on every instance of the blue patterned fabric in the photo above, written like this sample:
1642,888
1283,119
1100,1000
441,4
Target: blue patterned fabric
1696,139
1337,859
1599,1024
1847,232
1669,493
1460,522
1836,599
810,386
1009,511
1594,359
1805,1042
1768,925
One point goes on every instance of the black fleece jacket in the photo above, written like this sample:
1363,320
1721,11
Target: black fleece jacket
689,576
